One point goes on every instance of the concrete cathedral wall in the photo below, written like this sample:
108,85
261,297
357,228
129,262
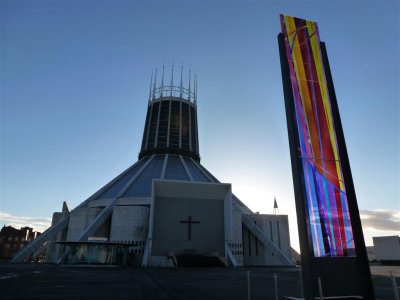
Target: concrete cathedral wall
237,239
53,249
276,227
129,224
79,221
171,235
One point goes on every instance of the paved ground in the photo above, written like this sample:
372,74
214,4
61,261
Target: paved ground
41,281
385,270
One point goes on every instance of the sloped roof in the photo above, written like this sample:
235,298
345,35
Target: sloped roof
136,181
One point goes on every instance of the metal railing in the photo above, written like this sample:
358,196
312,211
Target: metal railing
173,91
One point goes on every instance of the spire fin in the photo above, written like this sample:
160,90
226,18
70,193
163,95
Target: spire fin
162,81
190,75
151,83
181,87
154,85
172,79
195,88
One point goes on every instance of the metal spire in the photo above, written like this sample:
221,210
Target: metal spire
162,80
151,83
65,208
195,87
190,72
181,89
172,78
154,85
275,206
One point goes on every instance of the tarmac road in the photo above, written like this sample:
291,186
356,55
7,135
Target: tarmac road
42,281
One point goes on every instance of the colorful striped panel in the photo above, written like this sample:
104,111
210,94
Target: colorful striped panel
328,213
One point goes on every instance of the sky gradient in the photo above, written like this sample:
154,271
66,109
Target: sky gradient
75,77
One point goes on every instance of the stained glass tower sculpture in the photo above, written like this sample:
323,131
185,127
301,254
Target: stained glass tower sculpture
332,242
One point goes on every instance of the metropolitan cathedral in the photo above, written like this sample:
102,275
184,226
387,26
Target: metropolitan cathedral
167,209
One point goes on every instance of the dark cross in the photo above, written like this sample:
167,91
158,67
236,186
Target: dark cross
190,222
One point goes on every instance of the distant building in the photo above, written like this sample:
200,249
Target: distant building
12,239
387,248
371,253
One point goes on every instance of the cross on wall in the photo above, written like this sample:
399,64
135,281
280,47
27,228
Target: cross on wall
189,222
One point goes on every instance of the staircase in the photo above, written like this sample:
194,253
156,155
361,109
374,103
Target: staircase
261,236
193,260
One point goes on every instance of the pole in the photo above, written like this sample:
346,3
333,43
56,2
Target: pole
321,297
394,285
276,286
301,283
248,286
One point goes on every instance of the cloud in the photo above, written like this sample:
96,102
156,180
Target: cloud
38,224
383,220
375,223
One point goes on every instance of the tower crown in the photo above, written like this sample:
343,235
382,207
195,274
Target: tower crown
171,121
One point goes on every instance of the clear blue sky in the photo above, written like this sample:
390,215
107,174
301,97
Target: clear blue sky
74,86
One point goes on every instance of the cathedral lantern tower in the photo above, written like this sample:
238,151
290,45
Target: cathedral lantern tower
171,121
